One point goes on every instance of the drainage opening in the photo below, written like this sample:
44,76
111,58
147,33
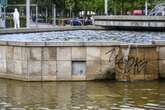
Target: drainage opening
78,68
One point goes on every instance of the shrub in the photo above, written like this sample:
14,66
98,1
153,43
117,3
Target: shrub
50,20
10,22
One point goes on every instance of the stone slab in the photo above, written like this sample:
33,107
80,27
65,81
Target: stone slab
49,54
17,53
10,52
64,54
34,68
151,54
93,54
108,53
63,70
162,68
10,66
93,67
49,68
78,53
3,52
3,66
18,67
162,53
35,53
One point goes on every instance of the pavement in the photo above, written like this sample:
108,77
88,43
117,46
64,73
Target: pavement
48,28
41,25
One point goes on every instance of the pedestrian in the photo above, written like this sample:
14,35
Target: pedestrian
16,19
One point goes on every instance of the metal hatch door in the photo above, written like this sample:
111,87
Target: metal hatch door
78,68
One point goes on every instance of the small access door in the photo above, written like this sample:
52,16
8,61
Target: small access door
78,68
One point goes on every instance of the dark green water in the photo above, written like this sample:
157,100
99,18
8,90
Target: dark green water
83,95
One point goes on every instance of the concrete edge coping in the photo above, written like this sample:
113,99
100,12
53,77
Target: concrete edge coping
56,44
56,28
159,42
77,43
118,17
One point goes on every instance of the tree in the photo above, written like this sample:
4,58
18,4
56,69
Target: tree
115,6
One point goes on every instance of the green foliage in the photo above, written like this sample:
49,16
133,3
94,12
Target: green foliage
69,4
115,6
122,6
10,23
16,1
50,20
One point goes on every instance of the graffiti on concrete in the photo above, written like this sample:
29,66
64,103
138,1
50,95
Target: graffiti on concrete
111,54
133,64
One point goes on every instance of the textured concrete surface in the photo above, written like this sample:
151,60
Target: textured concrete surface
140,64
32,61
51,63
130,21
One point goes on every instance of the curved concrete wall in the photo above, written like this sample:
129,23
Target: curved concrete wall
56,61
51,61
131,22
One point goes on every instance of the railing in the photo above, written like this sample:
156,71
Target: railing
158,9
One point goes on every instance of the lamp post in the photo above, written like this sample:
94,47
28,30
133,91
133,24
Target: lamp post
27,13
106,7
54,14
146,7
0,10
36,15
70,13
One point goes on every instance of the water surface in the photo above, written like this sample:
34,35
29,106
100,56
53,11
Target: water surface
104,95
87,35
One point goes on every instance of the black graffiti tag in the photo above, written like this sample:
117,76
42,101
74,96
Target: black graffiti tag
134,64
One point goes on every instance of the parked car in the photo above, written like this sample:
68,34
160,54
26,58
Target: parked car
73,21
76,22
135,12
138,12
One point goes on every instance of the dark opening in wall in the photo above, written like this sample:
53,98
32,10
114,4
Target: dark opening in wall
78,68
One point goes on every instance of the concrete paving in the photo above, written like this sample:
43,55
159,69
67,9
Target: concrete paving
48,28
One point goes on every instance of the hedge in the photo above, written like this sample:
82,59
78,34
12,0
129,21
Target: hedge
10,22
59,21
